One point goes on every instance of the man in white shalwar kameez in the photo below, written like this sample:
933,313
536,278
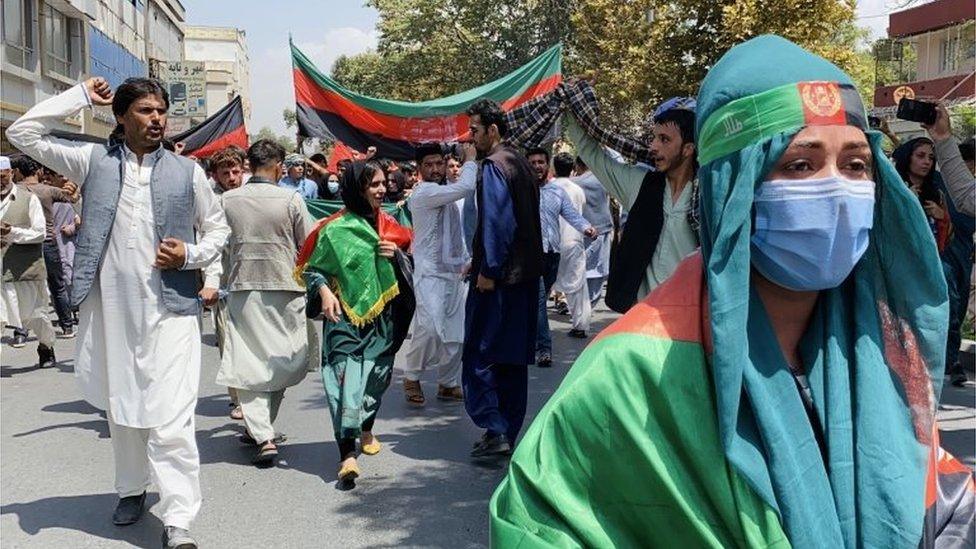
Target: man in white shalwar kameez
571,277
440,260
25,297
138,345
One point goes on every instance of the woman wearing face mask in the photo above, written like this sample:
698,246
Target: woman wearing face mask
330,191
352,278
779,389
953,232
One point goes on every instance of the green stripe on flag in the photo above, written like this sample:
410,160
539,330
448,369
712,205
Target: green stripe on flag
546,65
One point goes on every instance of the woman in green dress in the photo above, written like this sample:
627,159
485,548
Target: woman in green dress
353,278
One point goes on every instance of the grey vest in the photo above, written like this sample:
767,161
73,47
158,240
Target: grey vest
22,262
173,206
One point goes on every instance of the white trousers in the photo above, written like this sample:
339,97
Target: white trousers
24,305
580,307
166,455
426,349
260,411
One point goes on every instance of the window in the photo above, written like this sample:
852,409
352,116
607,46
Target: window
17,37
57,42
948,54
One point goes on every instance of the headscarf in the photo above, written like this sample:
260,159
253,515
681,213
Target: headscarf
874,349
401,183
353,191
293,160
931,188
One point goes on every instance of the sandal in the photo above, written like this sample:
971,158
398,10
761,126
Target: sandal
348,473
452,394
372,448
246,438
414,393
266,455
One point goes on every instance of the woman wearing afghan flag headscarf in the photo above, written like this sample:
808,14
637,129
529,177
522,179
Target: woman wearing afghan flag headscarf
353,278
779,389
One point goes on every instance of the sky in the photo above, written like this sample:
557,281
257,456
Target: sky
324,30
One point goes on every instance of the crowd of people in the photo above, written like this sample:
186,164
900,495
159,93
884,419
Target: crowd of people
790,298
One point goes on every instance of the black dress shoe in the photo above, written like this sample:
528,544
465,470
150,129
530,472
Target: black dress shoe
128,510
45,357
494,446
578,334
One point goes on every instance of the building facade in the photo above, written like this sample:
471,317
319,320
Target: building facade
930,55
224,53
51,45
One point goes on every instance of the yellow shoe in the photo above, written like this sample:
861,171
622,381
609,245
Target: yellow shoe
349,472
372,448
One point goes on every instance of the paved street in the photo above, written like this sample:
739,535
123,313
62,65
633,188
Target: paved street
421,491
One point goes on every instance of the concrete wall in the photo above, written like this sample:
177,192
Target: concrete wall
224,50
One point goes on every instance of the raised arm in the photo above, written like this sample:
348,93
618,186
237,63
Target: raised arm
437,196
31,133
622,180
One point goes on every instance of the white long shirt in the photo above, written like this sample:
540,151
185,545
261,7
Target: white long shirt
438,235
572,253
27,299
134,358
439,255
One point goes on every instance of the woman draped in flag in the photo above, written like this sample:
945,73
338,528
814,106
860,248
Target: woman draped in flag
352,278
779,389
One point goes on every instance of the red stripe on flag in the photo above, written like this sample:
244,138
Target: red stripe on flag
414,130
237,137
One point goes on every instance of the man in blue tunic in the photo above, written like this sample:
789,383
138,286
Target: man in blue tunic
502,304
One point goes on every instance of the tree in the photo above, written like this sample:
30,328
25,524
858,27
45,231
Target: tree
640,51
645,51
267,133
291,120
432,49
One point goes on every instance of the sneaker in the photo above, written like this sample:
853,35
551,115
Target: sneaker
544,360
177,538
19,341
578,334
45,357
492,446
67,332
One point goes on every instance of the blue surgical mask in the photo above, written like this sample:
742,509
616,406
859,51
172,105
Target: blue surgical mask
810,233
333,186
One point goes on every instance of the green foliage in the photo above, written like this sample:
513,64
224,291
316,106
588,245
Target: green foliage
963,118
291,120
639,51
267,133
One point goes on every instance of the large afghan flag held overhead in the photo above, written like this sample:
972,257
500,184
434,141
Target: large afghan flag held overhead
224,128
327,110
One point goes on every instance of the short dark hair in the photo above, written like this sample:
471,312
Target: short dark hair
968,150
264,153
318,158
581,164
406,167
24,164
135,88
489,112
424,150
562,164
538,150
684,119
